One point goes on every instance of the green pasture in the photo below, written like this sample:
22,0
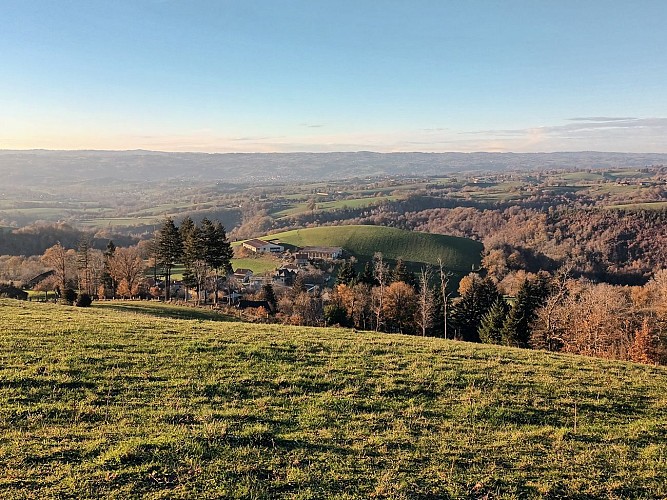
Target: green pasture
123,401
458,254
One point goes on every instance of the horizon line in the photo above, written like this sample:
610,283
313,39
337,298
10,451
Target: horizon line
138,150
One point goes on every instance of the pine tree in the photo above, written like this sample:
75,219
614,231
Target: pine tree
491,326
367,276
217,250
516,328
193,249
169,252
401,273
475,302
299,284
347,275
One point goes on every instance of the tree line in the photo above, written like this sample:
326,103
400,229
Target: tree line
203,249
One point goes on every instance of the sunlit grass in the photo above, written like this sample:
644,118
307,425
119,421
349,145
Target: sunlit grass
126,402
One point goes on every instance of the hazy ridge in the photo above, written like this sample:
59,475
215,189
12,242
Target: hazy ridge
43,167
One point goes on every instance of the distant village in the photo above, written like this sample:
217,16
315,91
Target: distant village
313,263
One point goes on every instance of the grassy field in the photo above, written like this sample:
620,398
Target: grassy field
302,208
102,222
122,401
258,265
458,254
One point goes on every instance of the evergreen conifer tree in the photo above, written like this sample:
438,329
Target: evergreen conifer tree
217,250
490,328
169,252
347,275
475,302
516,328
269,295
367,277
401,273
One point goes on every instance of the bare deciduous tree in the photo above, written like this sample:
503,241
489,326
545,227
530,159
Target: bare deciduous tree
425,302
62,262
127,265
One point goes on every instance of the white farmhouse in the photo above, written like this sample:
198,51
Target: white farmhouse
260,246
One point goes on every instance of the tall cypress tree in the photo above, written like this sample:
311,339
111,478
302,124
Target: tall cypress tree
269,295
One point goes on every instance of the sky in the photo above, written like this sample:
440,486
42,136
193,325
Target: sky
322,75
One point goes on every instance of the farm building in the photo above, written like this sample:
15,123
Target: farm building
325,253
259,246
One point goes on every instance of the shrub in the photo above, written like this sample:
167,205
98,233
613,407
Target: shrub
84,300
68,297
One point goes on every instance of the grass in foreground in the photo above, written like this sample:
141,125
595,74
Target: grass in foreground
97,402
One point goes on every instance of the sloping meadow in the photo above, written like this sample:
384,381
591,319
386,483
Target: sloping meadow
103,402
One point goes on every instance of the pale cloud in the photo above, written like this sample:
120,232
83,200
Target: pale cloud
601,118
576,134
593,133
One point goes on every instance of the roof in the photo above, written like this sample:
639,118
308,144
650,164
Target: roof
245,304
242,270
10,291
321,249
257,243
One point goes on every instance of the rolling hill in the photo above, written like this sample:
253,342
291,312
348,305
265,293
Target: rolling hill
105,402
458,254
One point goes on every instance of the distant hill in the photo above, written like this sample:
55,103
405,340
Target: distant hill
458,254
122,400
90,169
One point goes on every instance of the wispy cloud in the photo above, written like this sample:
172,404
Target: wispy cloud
592,133
601,118
616,123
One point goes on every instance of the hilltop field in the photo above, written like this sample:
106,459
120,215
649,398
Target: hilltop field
140,399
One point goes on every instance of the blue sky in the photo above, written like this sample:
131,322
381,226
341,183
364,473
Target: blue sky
287,75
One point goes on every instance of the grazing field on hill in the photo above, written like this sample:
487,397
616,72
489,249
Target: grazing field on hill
258,265
323,206
458,254
104,402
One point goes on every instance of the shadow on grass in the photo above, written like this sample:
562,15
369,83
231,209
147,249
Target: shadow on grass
169,311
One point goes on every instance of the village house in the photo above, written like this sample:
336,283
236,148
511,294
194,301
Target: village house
285,275
260,246
300,259
243,275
